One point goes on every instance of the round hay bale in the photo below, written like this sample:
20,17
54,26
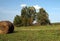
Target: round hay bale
6,27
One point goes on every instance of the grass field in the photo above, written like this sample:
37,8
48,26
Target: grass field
33,33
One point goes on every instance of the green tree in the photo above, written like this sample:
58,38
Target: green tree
24,16
42,17
27,14
31,14
17,21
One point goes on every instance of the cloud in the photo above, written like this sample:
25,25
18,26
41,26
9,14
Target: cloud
23,5
37,7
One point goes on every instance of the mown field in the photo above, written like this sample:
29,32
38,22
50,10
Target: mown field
33,33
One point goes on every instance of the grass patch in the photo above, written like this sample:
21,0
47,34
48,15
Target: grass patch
34,33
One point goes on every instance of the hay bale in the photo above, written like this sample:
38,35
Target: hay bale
6,27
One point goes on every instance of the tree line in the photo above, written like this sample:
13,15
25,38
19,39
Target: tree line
29,15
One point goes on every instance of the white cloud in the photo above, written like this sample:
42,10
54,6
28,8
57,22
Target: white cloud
37,7
23,5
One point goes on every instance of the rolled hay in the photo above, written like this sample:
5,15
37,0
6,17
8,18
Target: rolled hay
6,27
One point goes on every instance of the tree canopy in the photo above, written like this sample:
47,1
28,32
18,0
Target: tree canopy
43,17
17,21
29,15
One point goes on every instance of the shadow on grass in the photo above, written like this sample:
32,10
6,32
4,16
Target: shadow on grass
14,32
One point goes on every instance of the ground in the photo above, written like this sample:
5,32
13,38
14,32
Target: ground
33,33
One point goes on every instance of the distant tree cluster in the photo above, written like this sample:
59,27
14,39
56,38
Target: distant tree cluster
29,15
42,17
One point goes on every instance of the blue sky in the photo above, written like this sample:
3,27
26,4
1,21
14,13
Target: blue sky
10,8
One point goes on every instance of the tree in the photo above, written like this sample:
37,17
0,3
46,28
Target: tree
42,17
31,14
17,21
24,16
27,14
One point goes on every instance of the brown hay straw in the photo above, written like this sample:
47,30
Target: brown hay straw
6,27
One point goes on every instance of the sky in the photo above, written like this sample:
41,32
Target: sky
10,8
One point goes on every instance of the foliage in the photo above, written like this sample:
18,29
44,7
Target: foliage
24,16
29,15
17,21
42,17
